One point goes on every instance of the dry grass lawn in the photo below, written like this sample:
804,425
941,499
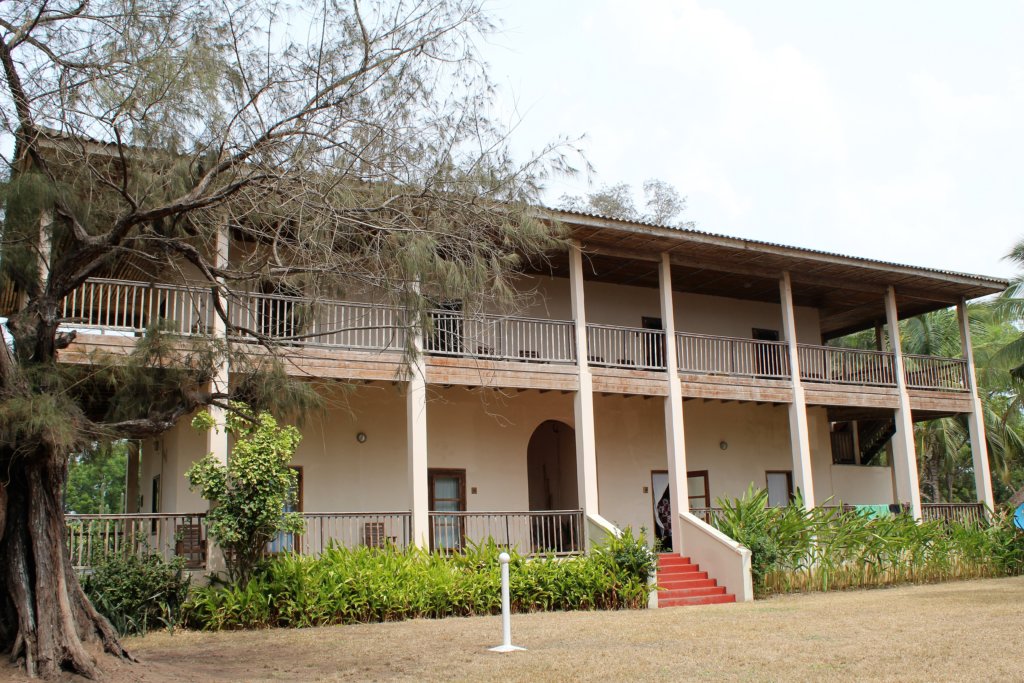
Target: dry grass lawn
972,630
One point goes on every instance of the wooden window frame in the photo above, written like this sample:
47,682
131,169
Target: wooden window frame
460,474
789,481
691,473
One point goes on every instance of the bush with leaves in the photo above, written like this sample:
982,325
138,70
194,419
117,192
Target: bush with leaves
827,548
138,592
359,585
250,495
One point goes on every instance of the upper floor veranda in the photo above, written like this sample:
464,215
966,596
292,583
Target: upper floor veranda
726,337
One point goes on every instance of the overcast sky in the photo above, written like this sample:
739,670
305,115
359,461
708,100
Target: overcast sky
889,130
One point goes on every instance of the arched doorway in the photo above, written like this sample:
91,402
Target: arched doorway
551,467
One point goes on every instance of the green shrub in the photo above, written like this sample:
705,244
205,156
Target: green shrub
344,586
137,593
794,549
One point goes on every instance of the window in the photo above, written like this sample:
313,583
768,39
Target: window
780,488
697,489
284,543
447,494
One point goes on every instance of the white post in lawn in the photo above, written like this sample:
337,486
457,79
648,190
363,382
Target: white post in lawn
506,610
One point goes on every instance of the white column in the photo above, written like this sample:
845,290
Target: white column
976,418
416,436
904,450
799,435
217,439
583,402
675,441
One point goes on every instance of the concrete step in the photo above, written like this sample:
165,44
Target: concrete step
697,600
681,582
699,580
690,592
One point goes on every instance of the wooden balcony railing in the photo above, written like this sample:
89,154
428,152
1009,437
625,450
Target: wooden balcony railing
611,346
339,324
124,307
931,372
93,538
558,532
500,337
833,365
133,307
710,355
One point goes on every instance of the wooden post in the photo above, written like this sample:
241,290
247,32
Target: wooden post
675,439
583,402
799,435
976,418
217,438
904,449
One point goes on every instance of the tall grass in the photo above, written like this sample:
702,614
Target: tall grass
344,586
794,549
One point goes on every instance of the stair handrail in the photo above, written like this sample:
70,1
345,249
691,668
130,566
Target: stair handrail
722,557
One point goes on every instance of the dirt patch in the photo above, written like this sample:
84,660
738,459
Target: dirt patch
972,630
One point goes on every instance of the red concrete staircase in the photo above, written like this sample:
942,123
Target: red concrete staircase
681,582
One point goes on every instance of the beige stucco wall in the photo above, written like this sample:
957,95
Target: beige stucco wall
170,455
487,433
612,304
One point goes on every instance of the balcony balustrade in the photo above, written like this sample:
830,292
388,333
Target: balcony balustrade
130,308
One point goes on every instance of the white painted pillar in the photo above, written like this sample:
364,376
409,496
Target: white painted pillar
416,438
675,441
217,439
976,418
904,450
799,434
583,402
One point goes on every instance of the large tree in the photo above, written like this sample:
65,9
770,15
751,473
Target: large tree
348,145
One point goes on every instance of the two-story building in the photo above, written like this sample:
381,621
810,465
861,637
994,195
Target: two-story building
651,371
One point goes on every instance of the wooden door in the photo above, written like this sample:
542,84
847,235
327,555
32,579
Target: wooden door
447,494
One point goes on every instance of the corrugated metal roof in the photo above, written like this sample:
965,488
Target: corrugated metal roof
754,244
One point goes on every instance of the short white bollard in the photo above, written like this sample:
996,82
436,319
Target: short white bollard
506,610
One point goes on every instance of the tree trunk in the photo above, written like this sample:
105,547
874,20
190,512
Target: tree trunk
47,619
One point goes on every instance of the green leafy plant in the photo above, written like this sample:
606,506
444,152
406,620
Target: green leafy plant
250,495
138,592
358,585
829,548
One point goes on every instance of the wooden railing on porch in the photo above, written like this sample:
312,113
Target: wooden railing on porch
93,538
711,355
548,532
634,348
962,513
933,372
834,365
124,307
500,337
351,530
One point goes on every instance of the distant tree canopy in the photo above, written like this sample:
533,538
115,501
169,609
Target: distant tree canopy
662,203
96,480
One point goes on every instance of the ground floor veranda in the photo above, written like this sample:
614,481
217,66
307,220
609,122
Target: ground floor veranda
500,464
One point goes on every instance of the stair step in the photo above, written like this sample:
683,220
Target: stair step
690,592
679,569
667,560
696,582
698,600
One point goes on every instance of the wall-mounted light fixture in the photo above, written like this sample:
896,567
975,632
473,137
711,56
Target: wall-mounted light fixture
723,445
361,437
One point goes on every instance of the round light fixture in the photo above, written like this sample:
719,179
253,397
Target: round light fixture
723,445
361,437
